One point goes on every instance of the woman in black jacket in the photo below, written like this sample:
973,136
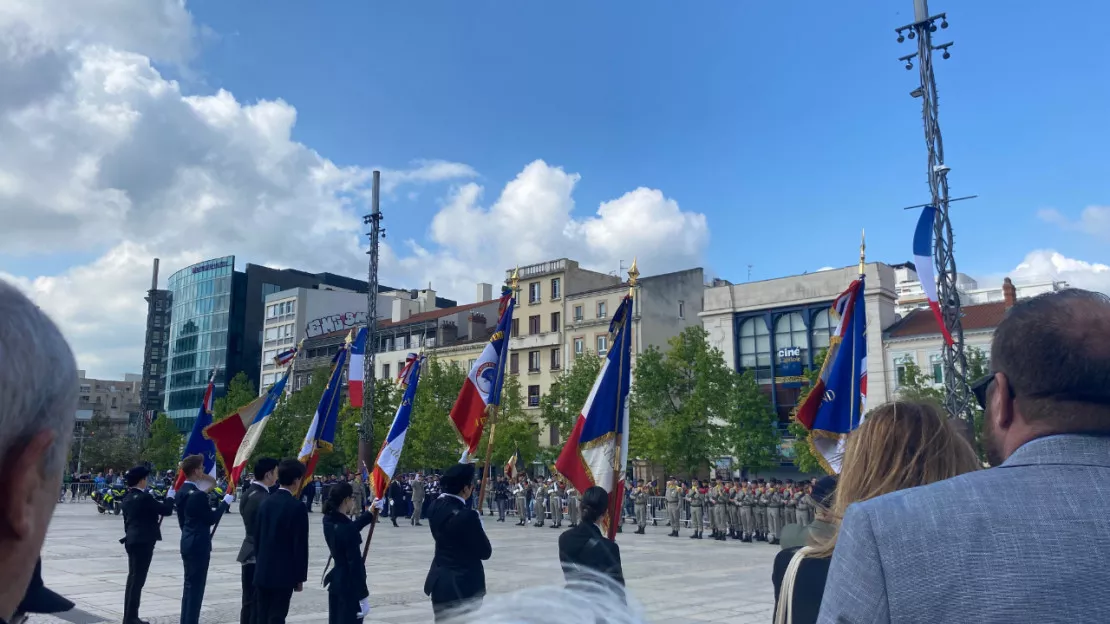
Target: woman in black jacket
584,549
348,596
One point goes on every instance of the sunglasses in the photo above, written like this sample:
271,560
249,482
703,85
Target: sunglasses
981,387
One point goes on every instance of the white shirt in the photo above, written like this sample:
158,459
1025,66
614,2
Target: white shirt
455,496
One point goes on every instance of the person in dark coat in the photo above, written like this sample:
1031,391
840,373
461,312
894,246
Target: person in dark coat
281,546
396,500
141,517
456,578
265,476
196,518
348,596
585,548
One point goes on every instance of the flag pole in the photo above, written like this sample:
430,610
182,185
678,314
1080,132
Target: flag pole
855,356
615,504
494,410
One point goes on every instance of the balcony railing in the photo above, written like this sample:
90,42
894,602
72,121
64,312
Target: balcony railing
533,401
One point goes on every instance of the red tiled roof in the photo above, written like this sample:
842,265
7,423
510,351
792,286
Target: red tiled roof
922,322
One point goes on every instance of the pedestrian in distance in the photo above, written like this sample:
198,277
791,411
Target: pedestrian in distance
142,516
348,595
281,536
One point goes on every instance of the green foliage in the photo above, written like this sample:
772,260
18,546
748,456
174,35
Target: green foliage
105,446
917,385
977,367
804,458
164,447
568,393
679,397
751,426
240,391
515,429
431,442
285,431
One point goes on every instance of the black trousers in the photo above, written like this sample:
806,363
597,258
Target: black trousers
248,614
273,604
138,564
442,611
192,594
342,608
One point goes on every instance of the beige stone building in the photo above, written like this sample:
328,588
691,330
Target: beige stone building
120,401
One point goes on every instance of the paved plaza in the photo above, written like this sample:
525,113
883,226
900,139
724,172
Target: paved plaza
674,580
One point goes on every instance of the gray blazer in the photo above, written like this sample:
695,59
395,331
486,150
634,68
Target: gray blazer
1028,541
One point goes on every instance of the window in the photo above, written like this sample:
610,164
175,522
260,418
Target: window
556,288
271,333
937,363
271,311
267,379
385,371
401,367
556,359
533,396
534,324
514,363
755,348
790,331
579,346
900,362
603,344
533,361
602,310
534,292
268,356
578,315
823,327
151,385
681,309
85,398
556,318
470,364
154,368
516,328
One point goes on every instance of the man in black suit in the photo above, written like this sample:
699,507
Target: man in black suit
196,518
141,516
281,545
265,476
396,500
456,577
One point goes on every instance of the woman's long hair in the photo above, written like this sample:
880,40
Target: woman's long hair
900,445
595,502
336,495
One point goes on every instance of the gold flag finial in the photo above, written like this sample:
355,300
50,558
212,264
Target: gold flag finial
862,249
350,337
633,276
514,281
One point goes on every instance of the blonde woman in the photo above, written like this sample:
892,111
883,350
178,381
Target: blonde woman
900,445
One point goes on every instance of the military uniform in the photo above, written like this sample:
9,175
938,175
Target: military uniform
697,502
572,506
774,516
746,500
790,506
763,497
640,503
733,513
556,497
540,504
674,498
720,511
520,494
802,512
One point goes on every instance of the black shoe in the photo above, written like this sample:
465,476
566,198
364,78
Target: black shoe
694,536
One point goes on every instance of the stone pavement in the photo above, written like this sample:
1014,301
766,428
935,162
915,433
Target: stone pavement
675,580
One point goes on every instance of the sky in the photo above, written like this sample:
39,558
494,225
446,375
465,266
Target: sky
754,139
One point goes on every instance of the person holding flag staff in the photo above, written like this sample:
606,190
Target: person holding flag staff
141,524
196,520
348,596
456,580
265,477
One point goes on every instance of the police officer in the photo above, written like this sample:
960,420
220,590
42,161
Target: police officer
141,517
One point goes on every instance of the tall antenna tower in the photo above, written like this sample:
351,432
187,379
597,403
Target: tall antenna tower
957,389
366,453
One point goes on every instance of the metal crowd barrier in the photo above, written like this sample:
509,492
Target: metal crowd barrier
75,492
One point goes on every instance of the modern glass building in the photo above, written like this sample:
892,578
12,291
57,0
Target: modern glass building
201,331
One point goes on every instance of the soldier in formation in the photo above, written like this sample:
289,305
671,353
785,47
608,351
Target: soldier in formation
574,515
674,499
555,498
520,493
696,498
539,495
640,499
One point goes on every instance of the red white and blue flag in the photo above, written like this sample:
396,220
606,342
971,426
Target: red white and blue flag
923,260
394,443
482,387
596,452
834,406
237,435
356,371
406,370
198,444
321,432
285,357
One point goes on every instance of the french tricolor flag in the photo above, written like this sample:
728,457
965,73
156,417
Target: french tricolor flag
923,258
237,435
394,443
356,372
483,383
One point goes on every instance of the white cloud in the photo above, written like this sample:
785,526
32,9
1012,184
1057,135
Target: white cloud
1094,220
105,156
1045,265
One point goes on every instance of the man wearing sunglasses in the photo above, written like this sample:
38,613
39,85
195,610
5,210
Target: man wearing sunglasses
1027,540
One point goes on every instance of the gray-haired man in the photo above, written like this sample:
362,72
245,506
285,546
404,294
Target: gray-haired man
38,403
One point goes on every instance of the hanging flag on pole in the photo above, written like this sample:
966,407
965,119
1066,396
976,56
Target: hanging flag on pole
285,357
512,467
394,443
356,372
198,444
482,387
596,452
321,433
834,406
403,376
923,260
236,436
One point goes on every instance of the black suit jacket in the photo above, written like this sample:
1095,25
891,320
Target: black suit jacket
456,572
281,542
140,517
196,518
249,501
396,493
344,536
585,547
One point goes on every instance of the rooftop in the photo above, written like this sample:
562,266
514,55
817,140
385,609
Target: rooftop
922,322
415,319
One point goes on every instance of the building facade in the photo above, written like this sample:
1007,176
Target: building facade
156,347
911,295
120,401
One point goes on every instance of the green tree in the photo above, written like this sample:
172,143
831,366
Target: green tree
568,394
163,449
285,431
387,394
240,391
514,429
916,385
751,426
978,366
431,442
107,446
804,458
681,396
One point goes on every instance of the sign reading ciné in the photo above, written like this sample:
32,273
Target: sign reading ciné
334,323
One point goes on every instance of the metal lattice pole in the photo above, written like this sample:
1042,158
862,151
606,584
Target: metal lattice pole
366,453
957,390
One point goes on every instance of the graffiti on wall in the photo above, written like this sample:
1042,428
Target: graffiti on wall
334,323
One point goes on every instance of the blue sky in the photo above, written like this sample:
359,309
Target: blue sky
788,128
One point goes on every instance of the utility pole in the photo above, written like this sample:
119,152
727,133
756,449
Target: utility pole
957,389
366,453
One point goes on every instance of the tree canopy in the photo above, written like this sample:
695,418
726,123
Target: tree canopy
240,391
566,397
164,447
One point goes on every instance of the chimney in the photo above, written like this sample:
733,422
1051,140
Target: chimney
448,334
397,314
1009,293
476,326
154,280
485,292
427,300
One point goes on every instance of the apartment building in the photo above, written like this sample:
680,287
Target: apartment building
120,401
